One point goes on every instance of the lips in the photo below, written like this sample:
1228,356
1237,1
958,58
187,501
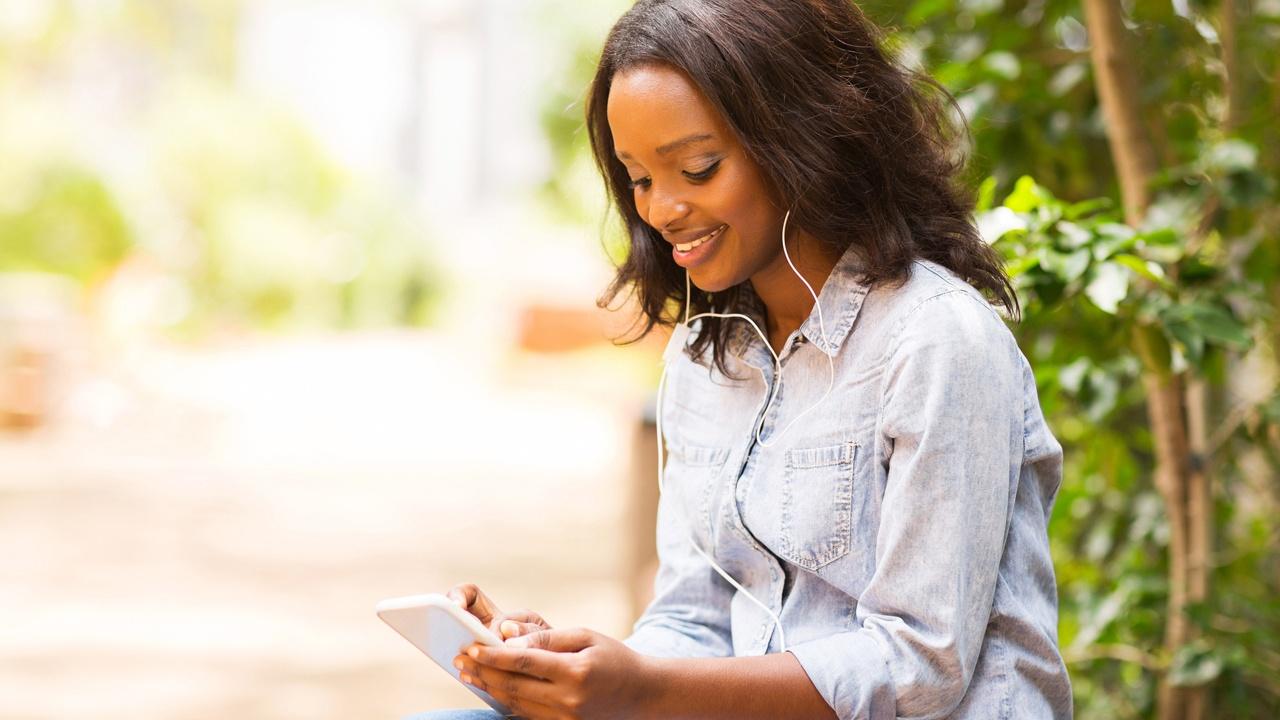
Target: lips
686,247
696,248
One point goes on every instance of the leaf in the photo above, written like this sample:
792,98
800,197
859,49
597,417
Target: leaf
994,224
986,194
1195,665
1105,389
1021,264
1106,612
1027,195
1002,63
924,10
1145,268
1067,78
1107,247
1231,156
1071,376
1164,245
1207,31
1192,342
1217,324
1112,238
1170,212
1075,211
1072,235
1160,237
1116,230
1198,324
1109,286
1072,35
1067,266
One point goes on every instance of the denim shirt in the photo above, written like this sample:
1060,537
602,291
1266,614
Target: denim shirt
899,529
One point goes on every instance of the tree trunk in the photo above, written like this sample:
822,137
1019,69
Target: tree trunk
1114,73
1182,483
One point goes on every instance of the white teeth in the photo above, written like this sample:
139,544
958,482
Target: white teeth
686,247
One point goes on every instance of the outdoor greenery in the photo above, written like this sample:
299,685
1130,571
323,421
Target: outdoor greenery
127,137
1187,291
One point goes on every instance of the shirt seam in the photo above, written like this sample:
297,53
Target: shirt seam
895,341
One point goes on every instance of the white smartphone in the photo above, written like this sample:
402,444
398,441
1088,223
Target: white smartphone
440,629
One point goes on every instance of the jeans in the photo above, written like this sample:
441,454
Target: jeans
457,715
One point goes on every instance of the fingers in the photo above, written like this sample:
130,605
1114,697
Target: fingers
510,628
560,641
469,597
529,696
539,664
521,622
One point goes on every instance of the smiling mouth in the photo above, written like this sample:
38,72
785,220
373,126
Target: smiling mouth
686,247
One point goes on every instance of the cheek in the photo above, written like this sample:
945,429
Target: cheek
745,203
752,219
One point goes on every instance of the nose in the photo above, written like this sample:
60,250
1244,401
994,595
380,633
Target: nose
665,211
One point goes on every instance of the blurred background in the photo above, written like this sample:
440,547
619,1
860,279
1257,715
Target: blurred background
297,312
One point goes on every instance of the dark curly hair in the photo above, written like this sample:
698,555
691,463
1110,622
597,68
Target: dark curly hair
860,148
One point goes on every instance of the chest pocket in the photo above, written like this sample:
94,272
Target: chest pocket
693,476
817,504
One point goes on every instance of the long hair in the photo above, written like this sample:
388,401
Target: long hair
860,148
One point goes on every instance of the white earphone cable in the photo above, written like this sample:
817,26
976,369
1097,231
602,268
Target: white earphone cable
679,336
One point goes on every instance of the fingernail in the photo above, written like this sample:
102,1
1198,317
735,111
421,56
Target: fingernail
465,678
458,663
509,628
474,652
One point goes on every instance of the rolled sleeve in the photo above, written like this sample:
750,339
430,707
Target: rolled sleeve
951,435
851,672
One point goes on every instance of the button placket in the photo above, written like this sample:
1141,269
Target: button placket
739,491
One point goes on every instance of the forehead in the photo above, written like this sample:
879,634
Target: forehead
652,105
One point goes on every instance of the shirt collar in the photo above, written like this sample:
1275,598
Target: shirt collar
840,299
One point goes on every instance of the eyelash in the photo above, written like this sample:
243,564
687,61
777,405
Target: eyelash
694,176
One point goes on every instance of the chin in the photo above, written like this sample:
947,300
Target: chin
707,280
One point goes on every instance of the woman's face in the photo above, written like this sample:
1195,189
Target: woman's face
691,178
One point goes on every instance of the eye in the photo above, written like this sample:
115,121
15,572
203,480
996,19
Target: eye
639,183
704,173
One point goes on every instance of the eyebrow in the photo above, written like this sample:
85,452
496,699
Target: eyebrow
676,144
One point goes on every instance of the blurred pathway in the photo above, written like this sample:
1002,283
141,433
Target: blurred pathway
207,539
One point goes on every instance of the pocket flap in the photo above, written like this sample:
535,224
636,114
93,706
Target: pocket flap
821,456
695,456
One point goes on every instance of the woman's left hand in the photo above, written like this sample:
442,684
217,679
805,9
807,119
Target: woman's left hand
554,674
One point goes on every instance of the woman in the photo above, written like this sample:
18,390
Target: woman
859,477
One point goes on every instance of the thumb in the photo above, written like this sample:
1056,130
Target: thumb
513,629
571,640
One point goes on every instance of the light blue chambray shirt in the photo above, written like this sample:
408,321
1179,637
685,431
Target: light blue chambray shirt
899,529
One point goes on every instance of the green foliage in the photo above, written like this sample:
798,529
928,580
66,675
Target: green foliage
1193,289
286,237
573,191
1060,253
224,194
65,221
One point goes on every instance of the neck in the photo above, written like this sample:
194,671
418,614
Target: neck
786,300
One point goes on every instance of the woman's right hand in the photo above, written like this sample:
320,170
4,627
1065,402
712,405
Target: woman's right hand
505,625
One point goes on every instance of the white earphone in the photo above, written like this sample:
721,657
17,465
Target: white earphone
679,337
